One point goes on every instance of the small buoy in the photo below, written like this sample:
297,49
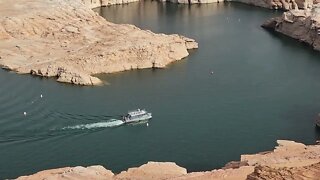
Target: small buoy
24,113
147,124
211,72
41,96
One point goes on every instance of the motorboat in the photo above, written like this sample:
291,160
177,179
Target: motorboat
136,116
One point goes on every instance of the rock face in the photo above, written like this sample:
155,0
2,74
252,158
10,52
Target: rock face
153,170
280,4
220,174
67,40
289,160
99,3
72,173
194,1
303,25
300,173
286,154
271,4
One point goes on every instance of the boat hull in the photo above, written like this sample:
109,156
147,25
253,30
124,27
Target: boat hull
138,119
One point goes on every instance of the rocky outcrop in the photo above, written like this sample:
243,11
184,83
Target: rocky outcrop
67,40
149,171
75,173
153,170
280,4
303,25
286,154
271,4
289,160
99,3
193,1
300,173
219,174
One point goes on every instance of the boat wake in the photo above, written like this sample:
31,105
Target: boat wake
104,124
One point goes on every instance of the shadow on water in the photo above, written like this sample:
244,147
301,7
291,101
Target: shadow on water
290,42
317,132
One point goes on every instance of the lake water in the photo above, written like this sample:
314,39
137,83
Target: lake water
264,87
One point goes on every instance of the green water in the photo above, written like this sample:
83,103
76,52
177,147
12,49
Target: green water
264,87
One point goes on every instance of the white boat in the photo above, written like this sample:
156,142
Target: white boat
136,116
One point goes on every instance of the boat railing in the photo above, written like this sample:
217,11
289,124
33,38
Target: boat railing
137,110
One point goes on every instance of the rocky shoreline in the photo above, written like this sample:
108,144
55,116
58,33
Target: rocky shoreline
303,25
100,3
281,4
289,160
67,40
270,4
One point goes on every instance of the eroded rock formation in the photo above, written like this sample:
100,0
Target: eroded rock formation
193,1
280,4
67,40
289,160
271,4
153,170
286,154
303,25
79,172
299,173
100,3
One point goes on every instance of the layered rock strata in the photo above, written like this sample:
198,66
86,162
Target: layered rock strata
289,160
281,4
100,3
303,25
271,4
67,40
309,172
193,1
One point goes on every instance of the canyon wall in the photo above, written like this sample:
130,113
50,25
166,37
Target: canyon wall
280,4
99,3
270,4
303,25
193,1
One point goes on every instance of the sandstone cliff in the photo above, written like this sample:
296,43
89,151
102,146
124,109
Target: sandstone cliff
67,40
280,4
99,3
271,4
193,1
290,160
303,25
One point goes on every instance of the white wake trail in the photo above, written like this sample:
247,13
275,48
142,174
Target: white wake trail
112,123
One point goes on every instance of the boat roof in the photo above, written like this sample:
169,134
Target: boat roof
137,112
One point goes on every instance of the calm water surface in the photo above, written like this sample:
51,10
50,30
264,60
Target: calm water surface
265,87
